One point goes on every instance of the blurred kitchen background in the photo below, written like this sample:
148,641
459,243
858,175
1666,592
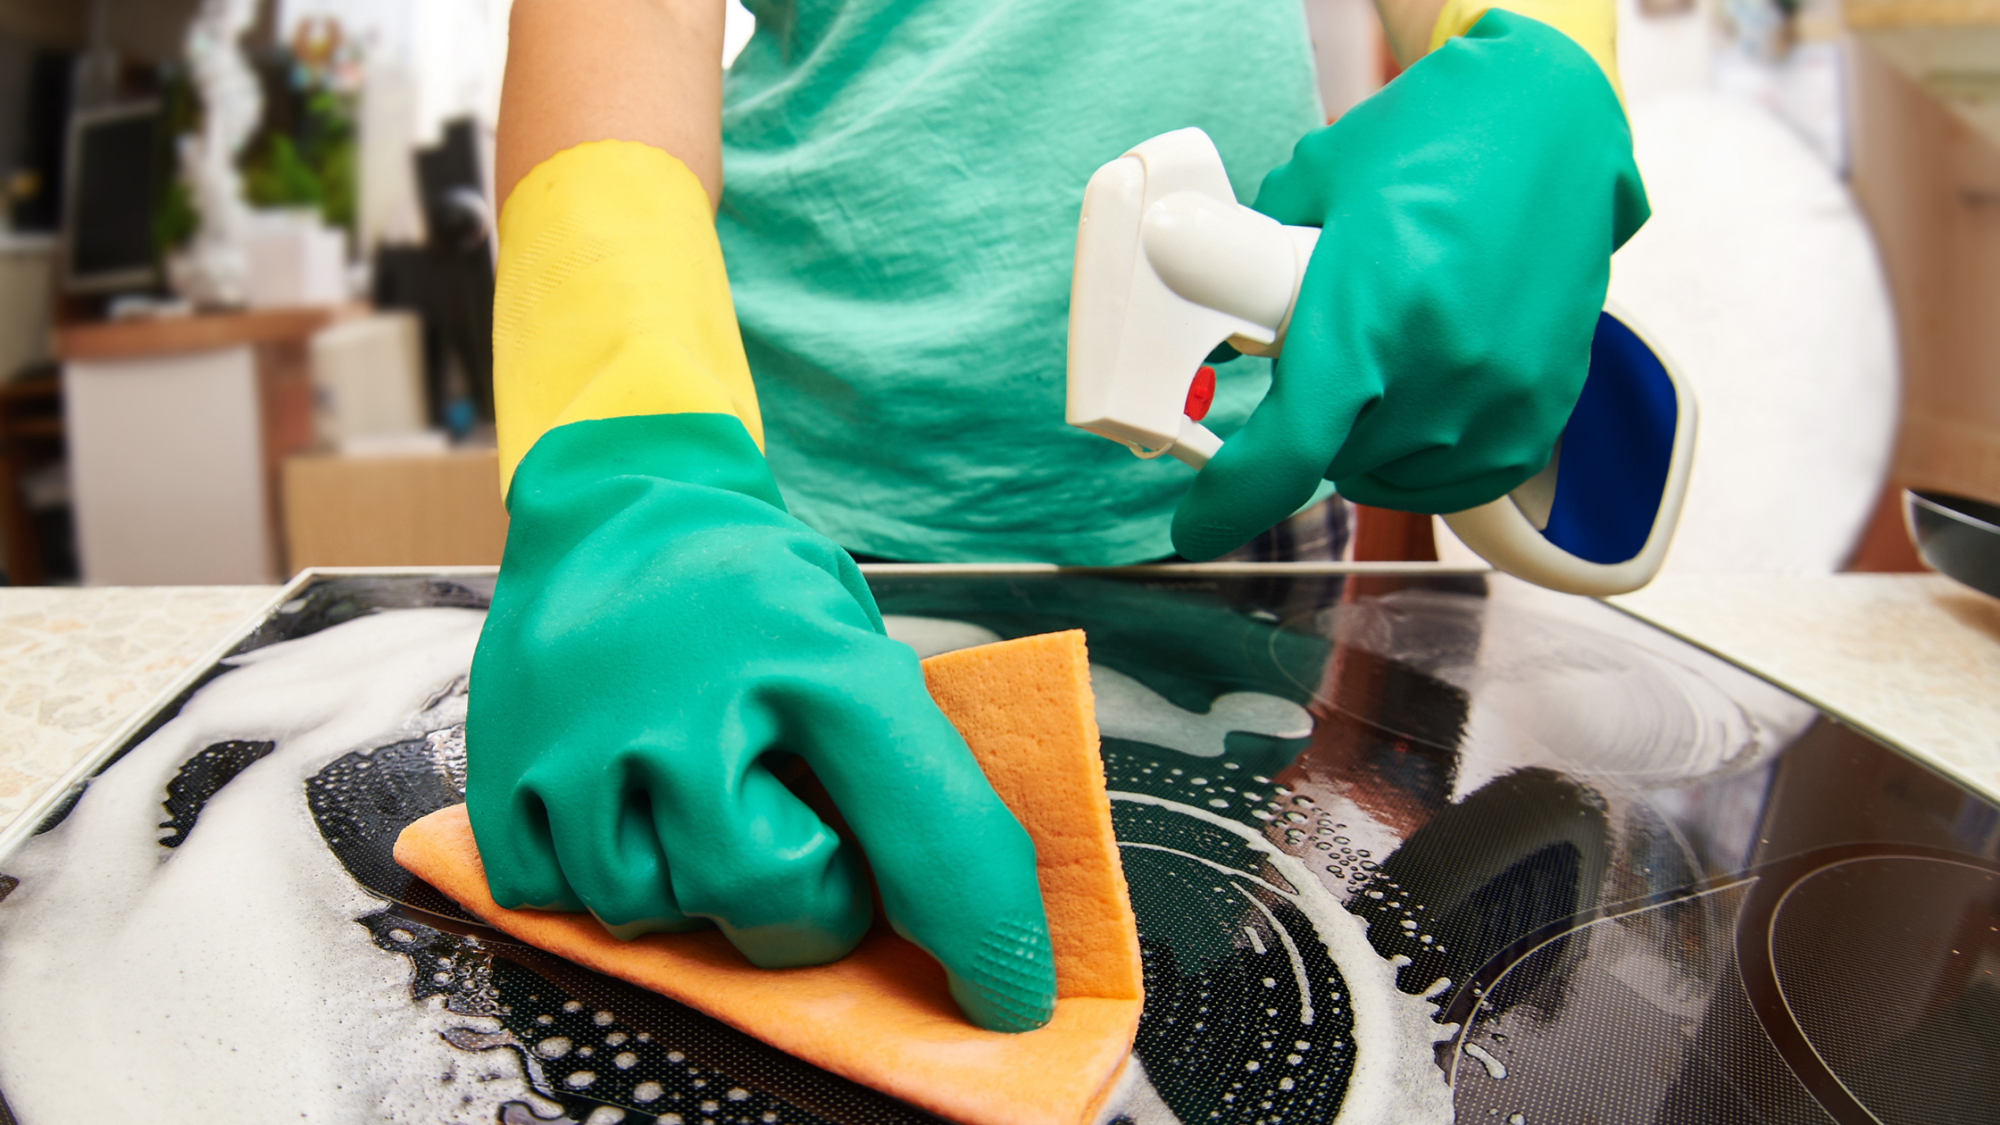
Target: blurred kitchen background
246,276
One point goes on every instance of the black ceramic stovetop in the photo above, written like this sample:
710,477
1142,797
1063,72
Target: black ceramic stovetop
1400,846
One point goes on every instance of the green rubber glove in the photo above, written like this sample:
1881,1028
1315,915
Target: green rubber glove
662,636
1442,334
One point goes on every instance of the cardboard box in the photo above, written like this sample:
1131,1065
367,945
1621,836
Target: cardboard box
440,509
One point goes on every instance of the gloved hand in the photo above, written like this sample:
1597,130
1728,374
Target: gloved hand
662,634
1442,333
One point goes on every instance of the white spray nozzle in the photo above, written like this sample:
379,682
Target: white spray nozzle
1168,265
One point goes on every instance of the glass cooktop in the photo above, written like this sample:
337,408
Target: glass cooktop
1403,847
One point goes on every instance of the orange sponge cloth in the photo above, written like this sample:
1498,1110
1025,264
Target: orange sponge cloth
882,1015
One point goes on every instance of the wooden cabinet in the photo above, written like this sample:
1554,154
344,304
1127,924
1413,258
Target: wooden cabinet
1926,169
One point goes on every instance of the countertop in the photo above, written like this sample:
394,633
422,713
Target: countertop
74,664
148,336
1913,659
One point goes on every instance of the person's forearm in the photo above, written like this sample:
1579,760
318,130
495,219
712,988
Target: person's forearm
630,70
1408,23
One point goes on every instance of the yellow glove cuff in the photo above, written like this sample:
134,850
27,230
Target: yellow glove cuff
1592,24
611,299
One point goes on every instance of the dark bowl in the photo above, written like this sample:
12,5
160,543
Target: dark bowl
1959,537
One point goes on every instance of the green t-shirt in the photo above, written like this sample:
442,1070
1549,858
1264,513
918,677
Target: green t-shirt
902,188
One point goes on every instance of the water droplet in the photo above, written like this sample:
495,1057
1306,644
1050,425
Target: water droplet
647,1092
554,1047
625,1060
579,1079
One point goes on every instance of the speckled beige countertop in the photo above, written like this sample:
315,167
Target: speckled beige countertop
1914,659
74,664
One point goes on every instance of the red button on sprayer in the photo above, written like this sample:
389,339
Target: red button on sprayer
1201,394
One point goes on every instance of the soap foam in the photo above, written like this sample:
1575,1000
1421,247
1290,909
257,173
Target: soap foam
1127,708
1395,1080
1135,1100
241,947
235,958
